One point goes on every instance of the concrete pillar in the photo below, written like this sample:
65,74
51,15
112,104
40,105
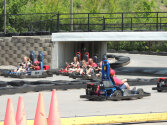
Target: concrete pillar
55,55
103,48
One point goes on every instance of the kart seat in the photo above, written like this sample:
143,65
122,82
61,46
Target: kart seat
107,84
40,59
86,57
32,56
79,57
95,59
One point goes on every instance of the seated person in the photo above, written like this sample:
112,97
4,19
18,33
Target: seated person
23,66
121,83
91,66
83,69
36,66
91,63
98,70
74,64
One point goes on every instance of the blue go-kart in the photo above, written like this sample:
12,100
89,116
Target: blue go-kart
107,90
29,73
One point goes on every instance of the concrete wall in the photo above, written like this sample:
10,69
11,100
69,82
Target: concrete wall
13,49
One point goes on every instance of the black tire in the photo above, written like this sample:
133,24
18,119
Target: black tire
158,90
16,83
3,84
158,86
117,95
140,92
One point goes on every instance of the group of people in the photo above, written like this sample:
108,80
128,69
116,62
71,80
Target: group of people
90,67
27,65
84,68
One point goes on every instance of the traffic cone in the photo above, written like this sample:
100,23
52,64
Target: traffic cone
54,113
40,118
9,115
21,114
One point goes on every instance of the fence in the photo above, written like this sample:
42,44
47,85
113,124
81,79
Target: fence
46,23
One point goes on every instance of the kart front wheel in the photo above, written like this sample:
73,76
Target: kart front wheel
158,90
117,95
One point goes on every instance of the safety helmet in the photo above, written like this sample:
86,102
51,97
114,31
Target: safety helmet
36,62
112,72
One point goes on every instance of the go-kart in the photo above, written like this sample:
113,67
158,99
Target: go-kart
107,90
66,70
83,76
75,75
30,73
161,85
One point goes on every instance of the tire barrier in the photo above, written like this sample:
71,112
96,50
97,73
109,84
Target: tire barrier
142,71
120,61
22,86
40,117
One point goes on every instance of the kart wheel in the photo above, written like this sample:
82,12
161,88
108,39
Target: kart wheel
140,92
158,86
117,95
158,90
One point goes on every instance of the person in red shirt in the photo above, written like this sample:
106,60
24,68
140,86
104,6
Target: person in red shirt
123,84
98,70
91,66
36,66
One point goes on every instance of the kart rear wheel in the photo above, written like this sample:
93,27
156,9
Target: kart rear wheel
140,92
117,95
158,90
158,86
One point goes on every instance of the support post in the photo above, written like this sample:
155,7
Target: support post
71,15
5,16
157,21
58,16
104,24
88,23
122,22
131,24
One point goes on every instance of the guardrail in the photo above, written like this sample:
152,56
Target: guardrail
46,23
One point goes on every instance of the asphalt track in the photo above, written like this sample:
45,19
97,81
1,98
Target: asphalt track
72,106
144,65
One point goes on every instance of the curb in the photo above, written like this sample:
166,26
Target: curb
134,118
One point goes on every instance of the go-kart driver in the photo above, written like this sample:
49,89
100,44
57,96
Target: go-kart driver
98,70
73,65
83,69
91,67
23,66
36,66
123,84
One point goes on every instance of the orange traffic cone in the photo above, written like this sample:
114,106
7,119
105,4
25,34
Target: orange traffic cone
9,115
54,113
21,114
40,118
